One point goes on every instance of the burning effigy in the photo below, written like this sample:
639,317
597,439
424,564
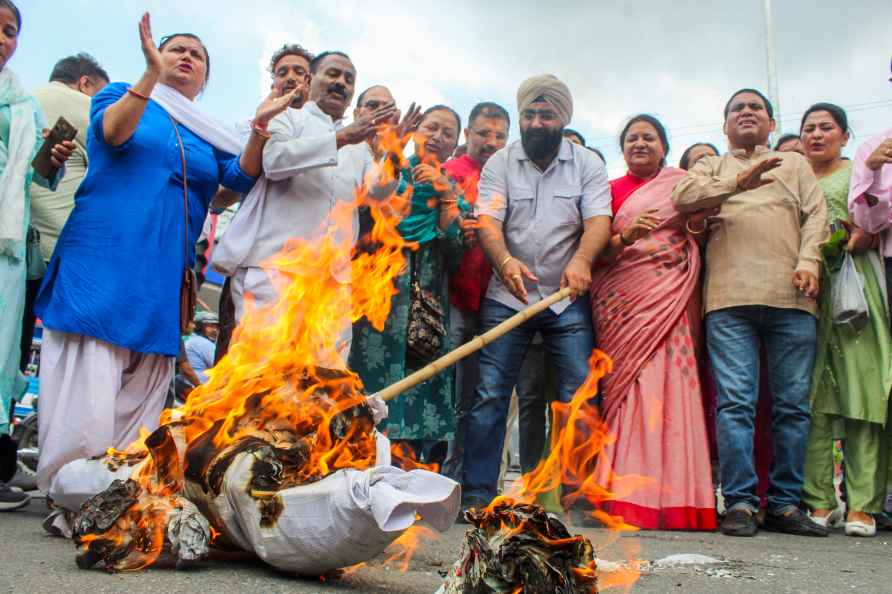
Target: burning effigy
520,548
277,454
514,545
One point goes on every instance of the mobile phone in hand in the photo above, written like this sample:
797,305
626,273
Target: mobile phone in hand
42,163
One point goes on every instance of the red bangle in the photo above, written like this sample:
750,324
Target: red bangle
137,94
260,131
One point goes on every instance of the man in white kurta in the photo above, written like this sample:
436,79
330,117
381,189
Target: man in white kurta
311,162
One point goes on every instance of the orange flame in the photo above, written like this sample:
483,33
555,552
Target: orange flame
404,457
403,548
285,374
577,439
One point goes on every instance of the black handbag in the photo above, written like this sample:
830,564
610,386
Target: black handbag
426,328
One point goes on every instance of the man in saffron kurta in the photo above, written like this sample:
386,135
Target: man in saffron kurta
763,264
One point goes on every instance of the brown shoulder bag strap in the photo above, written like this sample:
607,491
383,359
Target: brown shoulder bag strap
185,192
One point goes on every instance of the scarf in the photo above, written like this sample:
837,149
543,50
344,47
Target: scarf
15,162
422,224
245,226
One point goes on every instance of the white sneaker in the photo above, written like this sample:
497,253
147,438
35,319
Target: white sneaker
861,528
834,519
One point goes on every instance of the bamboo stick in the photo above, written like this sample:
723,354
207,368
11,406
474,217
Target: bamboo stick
473,345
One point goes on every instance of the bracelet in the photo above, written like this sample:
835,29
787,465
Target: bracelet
137,94
687,226
260,131
505,261
622,239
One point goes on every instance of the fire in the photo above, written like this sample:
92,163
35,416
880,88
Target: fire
403,548
404,457
285,379
577,439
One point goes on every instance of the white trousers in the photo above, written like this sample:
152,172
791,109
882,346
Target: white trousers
93,396
257,282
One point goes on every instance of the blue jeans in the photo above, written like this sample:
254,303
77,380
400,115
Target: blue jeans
569,340
790,339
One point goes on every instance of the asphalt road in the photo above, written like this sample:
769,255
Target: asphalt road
31,562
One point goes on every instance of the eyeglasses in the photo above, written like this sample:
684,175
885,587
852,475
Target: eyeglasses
489,134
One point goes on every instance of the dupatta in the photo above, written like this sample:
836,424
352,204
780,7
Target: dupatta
234,246
638,299
15,163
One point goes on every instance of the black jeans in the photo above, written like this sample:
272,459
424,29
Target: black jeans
28,321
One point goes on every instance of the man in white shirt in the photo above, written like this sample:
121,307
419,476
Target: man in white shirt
311,162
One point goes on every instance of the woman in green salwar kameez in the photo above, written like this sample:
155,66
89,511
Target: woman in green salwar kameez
853,369
425,414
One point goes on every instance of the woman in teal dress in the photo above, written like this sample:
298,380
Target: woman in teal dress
21,136
853,369
425,414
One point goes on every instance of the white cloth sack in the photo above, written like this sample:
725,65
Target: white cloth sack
79,480
346,518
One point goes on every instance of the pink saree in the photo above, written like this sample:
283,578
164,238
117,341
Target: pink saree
646,310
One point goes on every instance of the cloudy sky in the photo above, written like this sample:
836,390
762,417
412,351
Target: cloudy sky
678,60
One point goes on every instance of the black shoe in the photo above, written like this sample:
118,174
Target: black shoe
468,504
794,521
739,522
884,521
11,499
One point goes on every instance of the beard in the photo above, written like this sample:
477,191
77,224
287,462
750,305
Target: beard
538,144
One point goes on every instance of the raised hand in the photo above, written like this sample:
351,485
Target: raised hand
643,224
154,61
408,123
273,106
751,178
365,127
882,155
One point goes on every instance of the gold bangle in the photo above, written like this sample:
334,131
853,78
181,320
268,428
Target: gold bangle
505,261
687,226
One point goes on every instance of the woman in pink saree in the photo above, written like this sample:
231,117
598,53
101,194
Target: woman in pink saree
646,309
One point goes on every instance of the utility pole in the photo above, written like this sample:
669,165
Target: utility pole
770,64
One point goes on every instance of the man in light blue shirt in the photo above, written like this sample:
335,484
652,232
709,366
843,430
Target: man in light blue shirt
201,345
544,206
